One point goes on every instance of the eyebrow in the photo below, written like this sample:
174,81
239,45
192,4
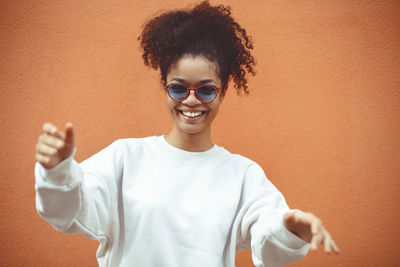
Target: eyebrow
180,80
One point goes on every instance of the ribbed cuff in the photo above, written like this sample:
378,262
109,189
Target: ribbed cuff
286,237
59,175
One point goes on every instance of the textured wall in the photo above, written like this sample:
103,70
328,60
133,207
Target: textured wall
322,117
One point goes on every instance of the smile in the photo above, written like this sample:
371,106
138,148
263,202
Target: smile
192,114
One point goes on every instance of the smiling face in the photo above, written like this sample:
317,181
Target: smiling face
191,116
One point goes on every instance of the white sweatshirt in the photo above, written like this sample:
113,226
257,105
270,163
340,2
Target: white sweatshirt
149,204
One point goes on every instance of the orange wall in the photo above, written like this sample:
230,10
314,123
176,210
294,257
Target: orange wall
322,117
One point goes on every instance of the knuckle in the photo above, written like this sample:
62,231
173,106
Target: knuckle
38,148
40,158
49,151
45,126
49,127
59,143
48,160
51,141
53,151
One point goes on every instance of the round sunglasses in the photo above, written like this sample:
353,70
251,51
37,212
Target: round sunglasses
204,93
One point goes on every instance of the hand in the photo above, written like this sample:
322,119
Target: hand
309,227
54,146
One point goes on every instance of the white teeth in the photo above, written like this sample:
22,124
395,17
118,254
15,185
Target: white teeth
192,114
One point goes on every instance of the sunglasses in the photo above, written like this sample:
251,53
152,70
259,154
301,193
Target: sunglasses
204,93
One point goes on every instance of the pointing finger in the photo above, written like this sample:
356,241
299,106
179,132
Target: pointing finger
315,241
50,129
315,226
327,242
335,247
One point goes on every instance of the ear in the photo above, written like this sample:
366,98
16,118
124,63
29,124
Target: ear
221,96
223,91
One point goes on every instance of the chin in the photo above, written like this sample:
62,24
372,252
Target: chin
191,130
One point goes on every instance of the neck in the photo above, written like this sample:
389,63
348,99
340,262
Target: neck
190,142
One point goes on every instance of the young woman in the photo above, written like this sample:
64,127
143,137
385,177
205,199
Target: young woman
178,199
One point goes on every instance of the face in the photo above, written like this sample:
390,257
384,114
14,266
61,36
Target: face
192,72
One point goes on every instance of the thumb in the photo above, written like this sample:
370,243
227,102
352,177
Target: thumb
290,218
69,135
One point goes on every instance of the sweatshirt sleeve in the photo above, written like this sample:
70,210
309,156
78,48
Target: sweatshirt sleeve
77,198
261,226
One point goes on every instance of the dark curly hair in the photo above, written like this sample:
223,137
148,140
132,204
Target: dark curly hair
204,30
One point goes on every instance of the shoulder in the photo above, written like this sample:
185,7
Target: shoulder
119,147
139,141
254,180
243,161
254,176
139,145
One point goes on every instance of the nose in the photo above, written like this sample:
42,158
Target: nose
191,100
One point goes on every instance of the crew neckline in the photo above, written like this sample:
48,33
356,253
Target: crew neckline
187,154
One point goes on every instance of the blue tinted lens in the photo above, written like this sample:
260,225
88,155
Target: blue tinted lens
206,93
177,91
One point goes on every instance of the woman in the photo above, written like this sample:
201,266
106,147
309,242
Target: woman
178,199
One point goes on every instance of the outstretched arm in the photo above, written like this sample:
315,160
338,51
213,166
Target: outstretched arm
75,198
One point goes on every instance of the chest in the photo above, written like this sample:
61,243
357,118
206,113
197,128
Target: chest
182,195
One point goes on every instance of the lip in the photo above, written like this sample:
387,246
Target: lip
191,110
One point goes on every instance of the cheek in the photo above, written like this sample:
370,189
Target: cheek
215,107
171,106
215,112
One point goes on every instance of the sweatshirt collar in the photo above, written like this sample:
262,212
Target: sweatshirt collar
187,154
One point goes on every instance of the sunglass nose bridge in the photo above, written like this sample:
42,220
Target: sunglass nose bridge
192,97
190,91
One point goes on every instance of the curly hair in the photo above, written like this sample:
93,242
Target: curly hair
205,31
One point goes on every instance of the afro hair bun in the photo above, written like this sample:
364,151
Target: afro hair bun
204,30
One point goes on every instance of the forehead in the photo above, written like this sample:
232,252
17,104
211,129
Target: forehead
194,68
